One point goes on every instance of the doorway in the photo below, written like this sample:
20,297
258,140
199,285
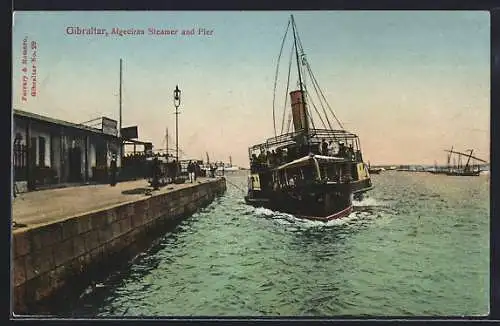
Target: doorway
31,163
75,164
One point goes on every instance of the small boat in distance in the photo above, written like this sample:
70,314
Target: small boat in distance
470,168
227,167
218,167
310,172
374,170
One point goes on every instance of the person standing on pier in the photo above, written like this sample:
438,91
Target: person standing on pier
155,180
190,169
172,170
113,169
197,170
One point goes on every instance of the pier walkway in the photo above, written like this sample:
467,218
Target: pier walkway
48,206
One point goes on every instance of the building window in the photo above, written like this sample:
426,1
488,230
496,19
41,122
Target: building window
41,150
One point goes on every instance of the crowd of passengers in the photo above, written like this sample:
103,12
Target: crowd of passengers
280,156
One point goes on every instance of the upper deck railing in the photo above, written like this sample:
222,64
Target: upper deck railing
315,136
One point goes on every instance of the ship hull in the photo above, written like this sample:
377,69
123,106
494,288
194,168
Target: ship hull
311,204
359,188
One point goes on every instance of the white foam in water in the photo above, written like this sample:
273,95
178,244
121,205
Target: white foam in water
264,211
368,201
287,219
351,217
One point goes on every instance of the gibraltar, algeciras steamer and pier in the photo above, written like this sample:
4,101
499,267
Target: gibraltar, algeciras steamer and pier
93,204
75,30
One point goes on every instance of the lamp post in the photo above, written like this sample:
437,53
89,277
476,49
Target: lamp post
177,102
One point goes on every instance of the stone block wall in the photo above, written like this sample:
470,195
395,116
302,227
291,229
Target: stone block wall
45,259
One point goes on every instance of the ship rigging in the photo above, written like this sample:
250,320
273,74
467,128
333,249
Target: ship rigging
312,171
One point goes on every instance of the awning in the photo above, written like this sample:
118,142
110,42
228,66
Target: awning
295,163
322,158
305,160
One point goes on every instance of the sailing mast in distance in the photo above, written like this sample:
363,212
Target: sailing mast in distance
464,170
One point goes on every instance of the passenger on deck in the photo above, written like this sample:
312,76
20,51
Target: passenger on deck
331,148
273,158
285,156
350,152
279,156
261,158
324,147
359,158
342,150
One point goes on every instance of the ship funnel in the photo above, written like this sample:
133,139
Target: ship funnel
298,110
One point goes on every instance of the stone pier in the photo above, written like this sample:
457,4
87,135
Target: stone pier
63,236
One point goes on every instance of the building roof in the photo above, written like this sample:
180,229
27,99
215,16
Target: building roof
39,117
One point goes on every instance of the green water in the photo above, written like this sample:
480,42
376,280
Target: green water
418,245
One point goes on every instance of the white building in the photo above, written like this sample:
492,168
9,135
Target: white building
49,151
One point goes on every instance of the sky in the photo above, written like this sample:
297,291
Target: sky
410,84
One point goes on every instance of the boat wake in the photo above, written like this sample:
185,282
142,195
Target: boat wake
368,208
289,219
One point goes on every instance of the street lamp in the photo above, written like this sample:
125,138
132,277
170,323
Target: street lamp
177,102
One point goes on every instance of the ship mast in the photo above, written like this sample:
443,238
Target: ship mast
166,142
468,159
306,125
449,157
